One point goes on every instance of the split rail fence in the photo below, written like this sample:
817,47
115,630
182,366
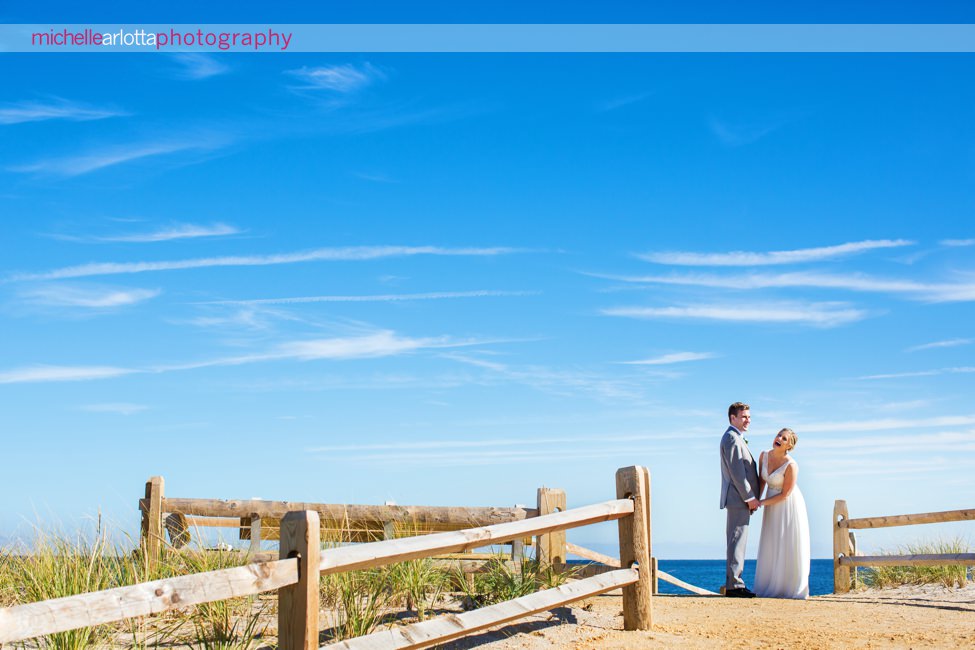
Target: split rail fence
295,577
258,520
845,543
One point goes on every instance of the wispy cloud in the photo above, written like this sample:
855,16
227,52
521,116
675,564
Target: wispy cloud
35,374
375,178
176,231
674,357
88,297
922,373
957,242
383,343
54,109
346,78
736,135
558,382
957,440
199,66
950,343
491,451
110,156
828,314
118,408
402,297
926,291
620,102
862,467
886,424
351,253
744,258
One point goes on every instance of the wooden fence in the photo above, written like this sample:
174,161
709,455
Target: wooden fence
295,576
258,520
845,544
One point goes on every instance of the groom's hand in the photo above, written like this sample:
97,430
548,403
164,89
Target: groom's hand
752,505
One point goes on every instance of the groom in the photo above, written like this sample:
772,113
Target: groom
739,498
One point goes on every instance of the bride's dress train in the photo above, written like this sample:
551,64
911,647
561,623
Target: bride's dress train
782,570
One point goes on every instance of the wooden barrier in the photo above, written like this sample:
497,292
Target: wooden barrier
551,547
611,562
295,575
454,626
844,543
259,520
633,483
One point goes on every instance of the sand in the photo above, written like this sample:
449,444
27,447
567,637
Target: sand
904,617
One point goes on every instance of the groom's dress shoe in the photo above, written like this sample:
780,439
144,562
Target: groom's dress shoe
740,592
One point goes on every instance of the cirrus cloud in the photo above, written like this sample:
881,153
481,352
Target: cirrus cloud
744,258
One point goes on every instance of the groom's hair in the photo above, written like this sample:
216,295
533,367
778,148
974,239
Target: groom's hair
735,409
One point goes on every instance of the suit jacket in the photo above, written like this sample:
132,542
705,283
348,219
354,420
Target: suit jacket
739,473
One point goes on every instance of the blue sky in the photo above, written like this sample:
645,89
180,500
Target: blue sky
451,279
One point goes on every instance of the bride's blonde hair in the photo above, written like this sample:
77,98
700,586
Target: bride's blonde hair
791,435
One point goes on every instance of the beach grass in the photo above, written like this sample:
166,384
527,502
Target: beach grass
499,581
893,576
54,564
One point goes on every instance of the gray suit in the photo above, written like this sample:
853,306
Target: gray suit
739,483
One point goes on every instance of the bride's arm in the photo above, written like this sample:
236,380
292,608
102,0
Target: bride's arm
788,484
761,481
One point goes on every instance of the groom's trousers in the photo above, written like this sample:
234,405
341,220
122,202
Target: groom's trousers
737,534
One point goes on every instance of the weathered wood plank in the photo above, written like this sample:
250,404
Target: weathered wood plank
363,556
210,522
453,626
910,520
589,554
947,559
841,548
178,529
86,610
655,576
633,483
152,523
298,603
677,582
551,546
352,515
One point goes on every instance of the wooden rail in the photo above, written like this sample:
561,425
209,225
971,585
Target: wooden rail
364,556
844,542
296,575
259,520
909,520
329,512
453,626
85,610
945,559
589,554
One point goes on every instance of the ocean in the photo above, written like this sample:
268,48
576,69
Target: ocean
709,574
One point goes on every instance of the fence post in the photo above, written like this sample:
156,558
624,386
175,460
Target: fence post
152,521
551,546
656,578
256,533
634,483
298,603
841,548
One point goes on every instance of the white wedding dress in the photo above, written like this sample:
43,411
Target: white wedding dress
782,570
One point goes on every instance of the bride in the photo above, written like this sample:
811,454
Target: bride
782,570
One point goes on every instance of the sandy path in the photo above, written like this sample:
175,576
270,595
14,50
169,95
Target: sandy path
906,617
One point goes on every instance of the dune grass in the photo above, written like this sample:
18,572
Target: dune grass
893,576
54,565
